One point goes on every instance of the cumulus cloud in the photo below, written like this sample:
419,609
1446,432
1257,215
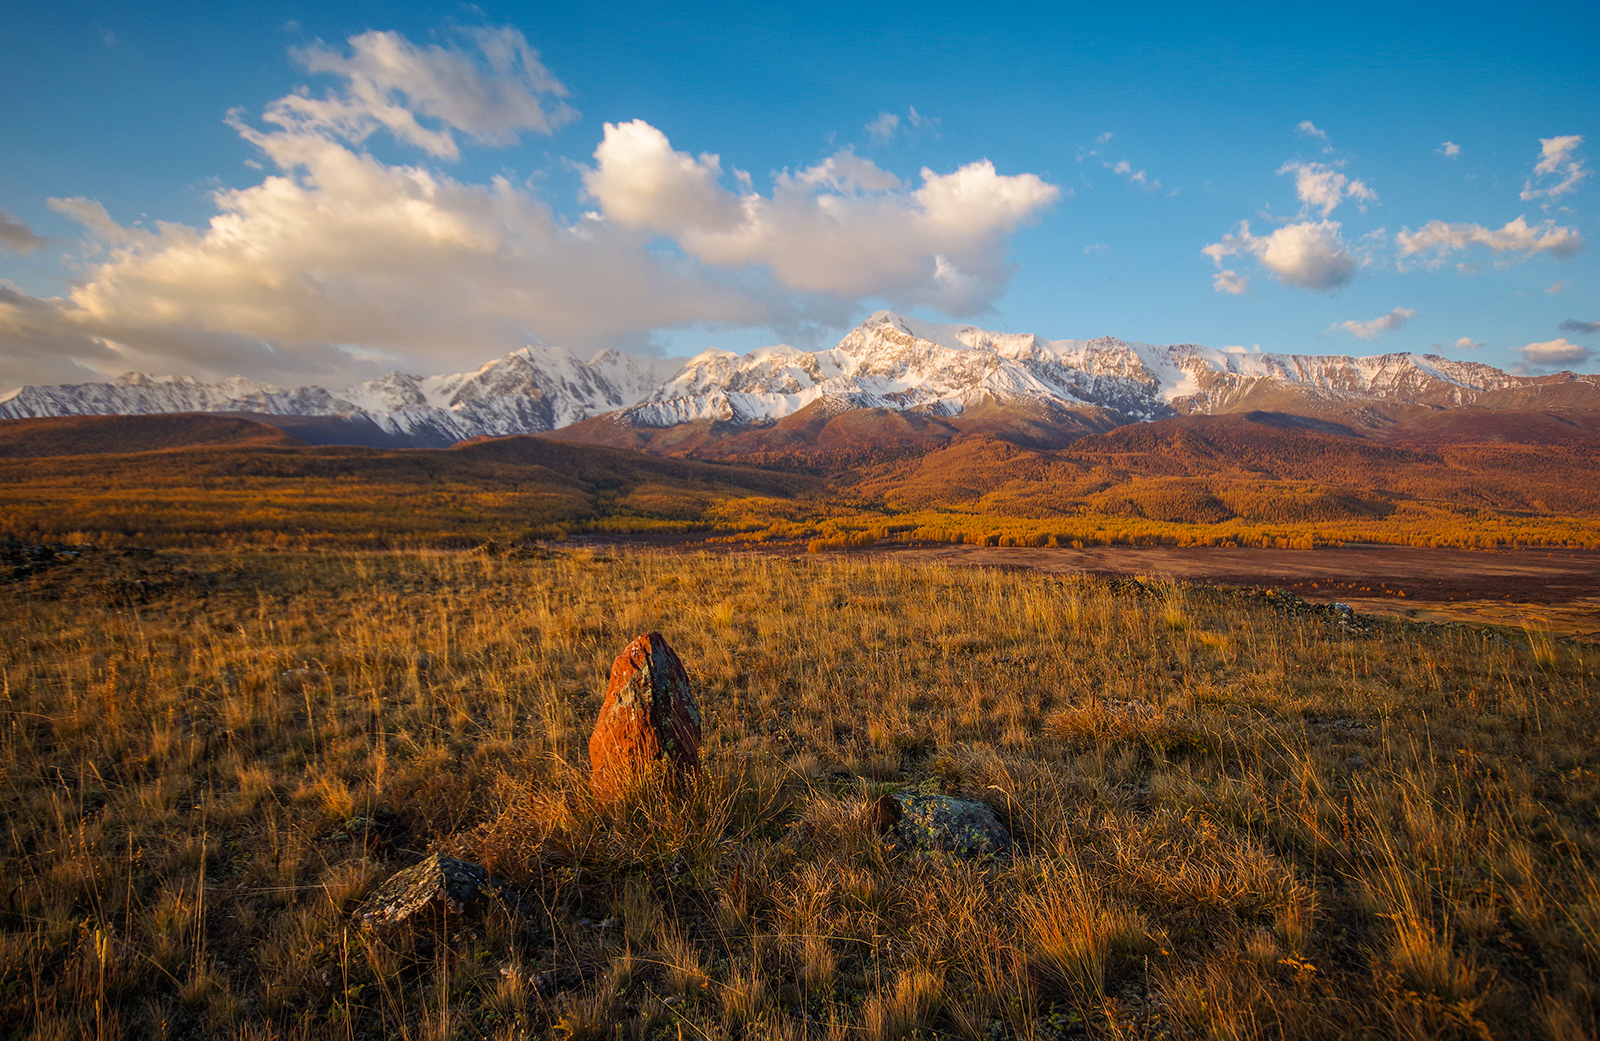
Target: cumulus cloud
343,249
338,265
1230,281
1311,254
1322,188
845,227
1377,326
17,236
1518,236
1449,150
1572,325
1309,129
37,344
490,91
1467,343
1553,354
1558,162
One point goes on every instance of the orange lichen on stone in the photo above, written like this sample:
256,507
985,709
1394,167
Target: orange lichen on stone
649,718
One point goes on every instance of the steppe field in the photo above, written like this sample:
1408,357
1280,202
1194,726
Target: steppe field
1235,815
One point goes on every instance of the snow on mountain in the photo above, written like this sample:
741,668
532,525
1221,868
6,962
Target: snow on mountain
889,361
529,390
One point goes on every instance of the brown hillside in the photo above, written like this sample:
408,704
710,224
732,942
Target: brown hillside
100,435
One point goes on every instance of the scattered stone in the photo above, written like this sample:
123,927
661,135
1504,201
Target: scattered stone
512,551
294,681
19,559
1355,762
941,823
439,884
649,717
1342,724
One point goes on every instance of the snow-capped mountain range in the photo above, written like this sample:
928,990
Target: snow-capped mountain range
889,361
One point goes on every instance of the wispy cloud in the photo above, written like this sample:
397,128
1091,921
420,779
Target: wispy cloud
1440,238
1467,343
17,236
887,125
490,90
1449,150
1377,326
1231,282
1321,187
882,130
1558,162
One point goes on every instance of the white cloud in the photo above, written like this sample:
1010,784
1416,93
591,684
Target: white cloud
1096,247
1377,326
1230,281
1557,160
1572,325
882,129
1449,150
342,249
1323,188
1517,236
1309,129
920,122
17,236
1125,169
490,93
1311,255
1467,343
641,182
338,265
1556,288
844,227
1553,354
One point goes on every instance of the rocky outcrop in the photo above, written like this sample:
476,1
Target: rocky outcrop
939,823
649,720
438,885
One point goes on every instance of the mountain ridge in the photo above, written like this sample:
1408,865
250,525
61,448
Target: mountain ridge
889,363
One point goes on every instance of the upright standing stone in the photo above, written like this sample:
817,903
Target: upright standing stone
649,717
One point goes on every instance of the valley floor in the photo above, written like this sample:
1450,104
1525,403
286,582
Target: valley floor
1547,590
1234,817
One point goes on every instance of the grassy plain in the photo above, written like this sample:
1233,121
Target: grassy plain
1235,820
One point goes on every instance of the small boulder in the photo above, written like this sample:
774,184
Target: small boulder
941,823
439,883
649,717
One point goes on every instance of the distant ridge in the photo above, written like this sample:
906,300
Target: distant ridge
107,435
958,378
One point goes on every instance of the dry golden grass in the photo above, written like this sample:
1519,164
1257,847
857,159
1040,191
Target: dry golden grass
1232,822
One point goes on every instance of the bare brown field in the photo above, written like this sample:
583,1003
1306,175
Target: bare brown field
1233,818
1554,590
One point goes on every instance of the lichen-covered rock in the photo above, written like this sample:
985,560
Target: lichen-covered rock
439,883
649,718
941,823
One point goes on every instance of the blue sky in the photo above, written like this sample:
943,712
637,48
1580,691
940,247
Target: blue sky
302,193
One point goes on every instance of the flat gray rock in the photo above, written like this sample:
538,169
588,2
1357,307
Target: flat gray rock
440,882
943,824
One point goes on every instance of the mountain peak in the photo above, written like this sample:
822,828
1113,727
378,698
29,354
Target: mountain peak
889,362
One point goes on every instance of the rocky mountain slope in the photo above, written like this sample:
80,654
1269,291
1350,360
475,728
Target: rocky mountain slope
888,364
